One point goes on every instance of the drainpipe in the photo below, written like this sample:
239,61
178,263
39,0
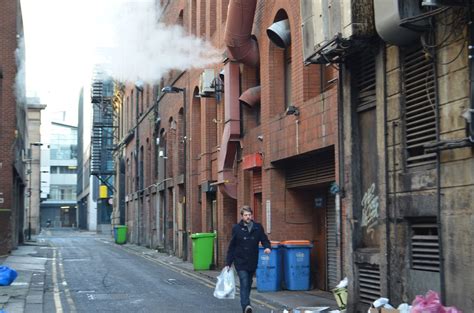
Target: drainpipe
471,73
185,202
340,194
388,242
137,163
438,174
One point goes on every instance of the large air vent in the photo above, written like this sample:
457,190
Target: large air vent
365,81
311,170
425,247
369,283
420,106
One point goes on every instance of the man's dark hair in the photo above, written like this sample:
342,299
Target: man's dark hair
245,208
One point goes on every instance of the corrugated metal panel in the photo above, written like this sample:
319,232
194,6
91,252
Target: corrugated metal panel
311,171
257,181
331,242
420,114
425,247
369,283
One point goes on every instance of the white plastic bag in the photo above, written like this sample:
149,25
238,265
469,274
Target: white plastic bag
225,287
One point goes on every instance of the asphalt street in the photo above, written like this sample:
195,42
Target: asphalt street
86,273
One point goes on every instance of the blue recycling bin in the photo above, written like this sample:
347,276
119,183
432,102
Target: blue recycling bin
269,269
296,264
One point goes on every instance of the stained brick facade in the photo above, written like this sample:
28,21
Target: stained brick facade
12,130
334,168
154,212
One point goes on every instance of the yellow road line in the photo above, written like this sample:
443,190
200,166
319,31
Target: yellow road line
57,297
69,299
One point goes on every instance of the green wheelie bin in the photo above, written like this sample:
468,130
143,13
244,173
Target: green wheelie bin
203,250
120,234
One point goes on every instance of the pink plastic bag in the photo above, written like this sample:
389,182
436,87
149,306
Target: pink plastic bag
426,304
451,309
430,303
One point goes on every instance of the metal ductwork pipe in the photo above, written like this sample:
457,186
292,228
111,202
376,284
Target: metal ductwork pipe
279,33
241,47
251,96
388,16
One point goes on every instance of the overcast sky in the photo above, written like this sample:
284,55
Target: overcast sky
65,38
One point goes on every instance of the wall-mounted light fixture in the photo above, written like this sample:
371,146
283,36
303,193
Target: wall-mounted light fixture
430,3
292,110
161,154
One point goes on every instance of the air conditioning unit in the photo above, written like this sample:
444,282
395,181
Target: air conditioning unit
329,26
206,86
208,187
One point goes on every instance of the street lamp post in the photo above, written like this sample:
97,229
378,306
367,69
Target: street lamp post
173,89
37,144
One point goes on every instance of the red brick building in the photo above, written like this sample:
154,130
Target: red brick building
12,127
190,159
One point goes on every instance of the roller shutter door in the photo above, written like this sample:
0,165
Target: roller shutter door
331,242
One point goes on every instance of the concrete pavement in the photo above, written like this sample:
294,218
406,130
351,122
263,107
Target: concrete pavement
25,294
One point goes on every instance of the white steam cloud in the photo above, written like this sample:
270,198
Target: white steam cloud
142,49
65,39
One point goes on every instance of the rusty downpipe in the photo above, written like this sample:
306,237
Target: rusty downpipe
241,47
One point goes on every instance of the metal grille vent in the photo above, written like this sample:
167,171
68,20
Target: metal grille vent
311,171
425,247
365,81
369,283
420,115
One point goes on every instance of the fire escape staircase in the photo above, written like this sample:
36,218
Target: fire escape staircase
103,130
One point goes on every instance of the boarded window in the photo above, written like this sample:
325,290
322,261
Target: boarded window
420,113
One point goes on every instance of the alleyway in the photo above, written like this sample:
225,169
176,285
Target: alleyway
87,273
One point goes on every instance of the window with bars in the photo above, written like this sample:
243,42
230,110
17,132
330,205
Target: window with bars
420,107
369,283
424,246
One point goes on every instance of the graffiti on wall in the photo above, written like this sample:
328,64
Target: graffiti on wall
370,210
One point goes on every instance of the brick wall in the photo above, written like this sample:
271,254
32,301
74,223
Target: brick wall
8,42
317,126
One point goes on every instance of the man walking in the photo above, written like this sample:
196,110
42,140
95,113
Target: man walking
243,252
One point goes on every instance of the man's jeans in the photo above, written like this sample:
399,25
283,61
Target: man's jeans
246,279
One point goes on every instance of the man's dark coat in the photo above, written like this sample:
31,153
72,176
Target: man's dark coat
243,247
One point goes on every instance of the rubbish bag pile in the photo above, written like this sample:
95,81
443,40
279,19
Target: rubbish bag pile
7,275
429,303
225,287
